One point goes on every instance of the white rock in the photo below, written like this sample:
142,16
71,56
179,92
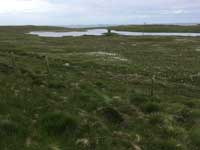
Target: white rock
66,64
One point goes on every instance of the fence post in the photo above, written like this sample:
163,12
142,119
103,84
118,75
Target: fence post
13,62
152,86
47,64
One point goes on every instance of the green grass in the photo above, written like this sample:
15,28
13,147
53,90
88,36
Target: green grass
159,28
97,94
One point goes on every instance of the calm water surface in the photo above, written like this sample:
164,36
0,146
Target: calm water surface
100,32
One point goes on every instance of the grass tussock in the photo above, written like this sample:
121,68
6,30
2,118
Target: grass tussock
59,124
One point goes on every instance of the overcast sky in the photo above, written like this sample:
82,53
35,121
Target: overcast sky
73,12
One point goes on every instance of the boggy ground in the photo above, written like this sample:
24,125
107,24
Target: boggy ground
101,93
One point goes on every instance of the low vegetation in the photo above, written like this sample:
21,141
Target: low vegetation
96,92
159,28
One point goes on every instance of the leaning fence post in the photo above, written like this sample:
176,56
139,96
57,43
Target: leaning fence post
47,64
13,62
152,86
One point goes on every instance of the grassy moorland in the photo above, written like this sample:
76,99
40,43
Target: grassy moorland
159,28
99,93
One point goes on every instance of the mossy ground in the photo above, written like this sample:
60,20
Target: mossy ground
98,93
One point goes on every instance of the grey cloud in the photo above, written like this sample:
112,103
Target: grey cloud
105,12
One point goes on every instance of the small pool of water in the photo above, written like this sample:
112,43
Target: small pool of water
100,32
95,32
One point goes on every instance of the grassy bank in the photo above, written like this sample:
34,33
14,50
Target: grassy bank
107,92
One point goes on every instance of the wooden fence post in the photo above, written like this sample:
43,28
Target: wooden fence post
152,86
47,64
13,62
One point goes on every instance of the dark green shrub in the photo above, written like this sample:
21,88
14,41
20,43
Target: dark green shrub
184,116
155,119
160,144
112,115
56,84
10,128
195,115
5,68
12,135
195,137
137,99
169,131
151,107
100,84
59,123
87,99
190,104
